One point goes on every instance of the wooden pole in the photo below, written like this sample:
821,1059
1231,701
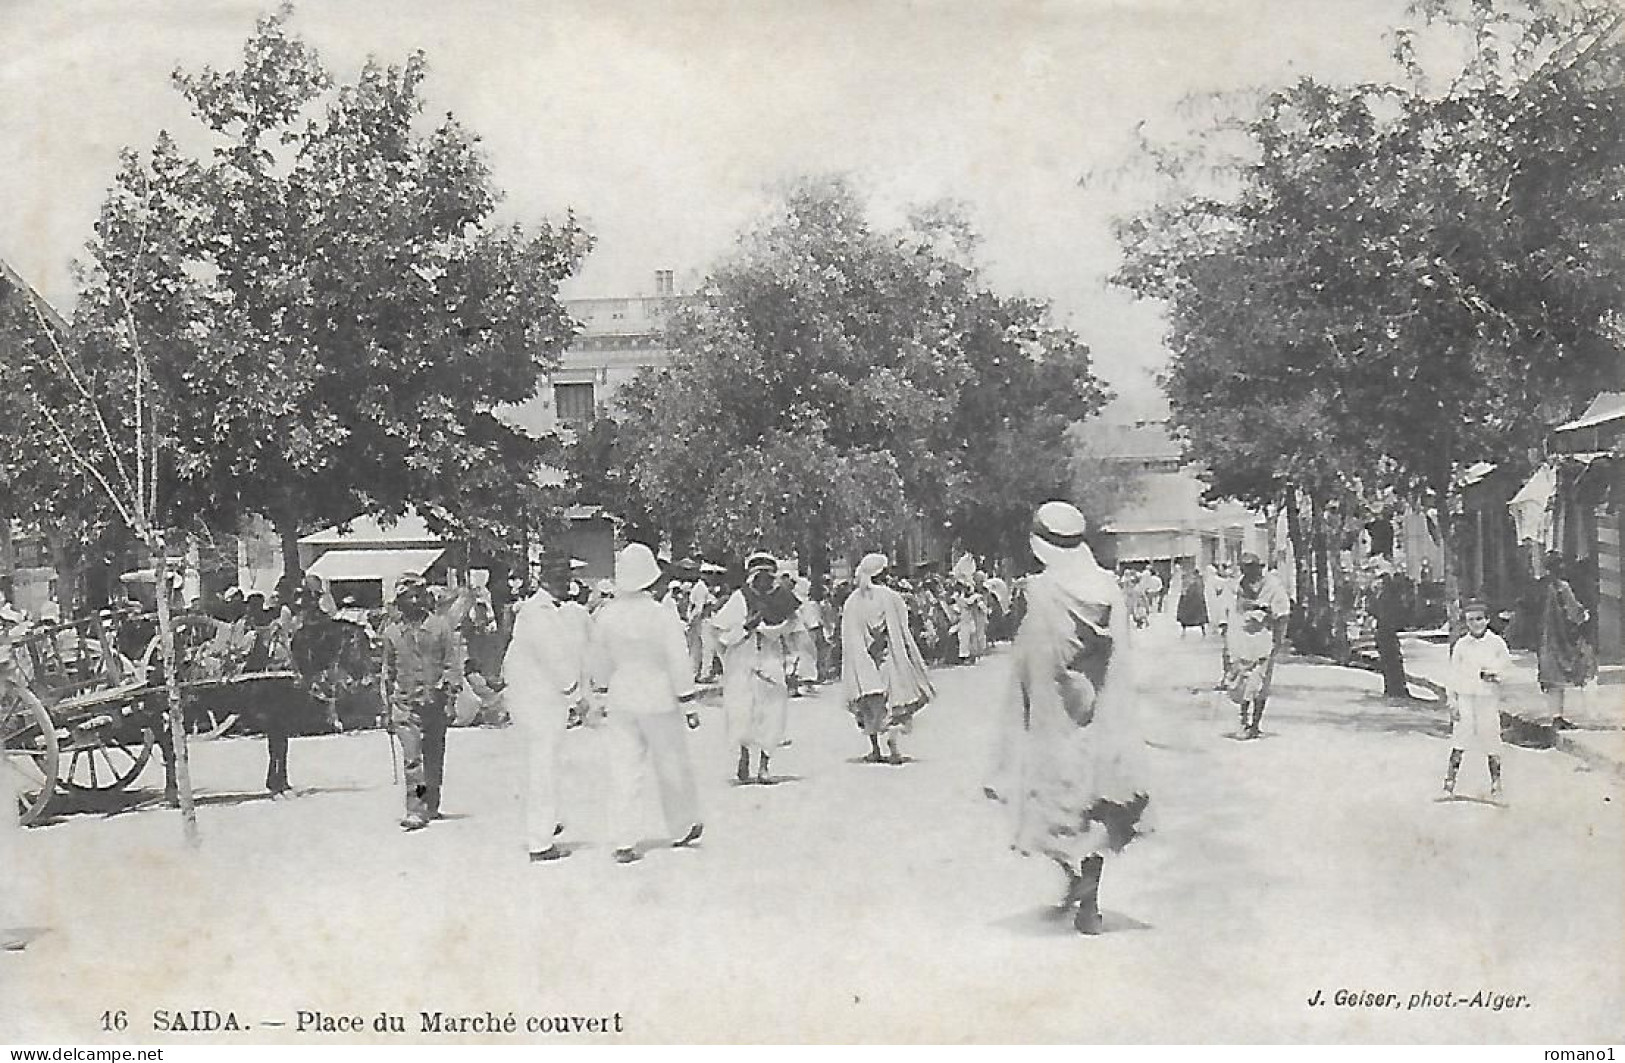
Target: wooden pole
172,690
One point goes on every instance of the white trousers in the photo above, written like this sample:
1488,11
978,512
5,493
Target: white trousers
543,730
647,749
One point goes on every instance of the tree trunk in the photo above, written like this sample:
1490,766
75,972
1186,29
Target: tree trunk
293,572
172,690
8,561
818,561
1301,567
1445,505
1320,579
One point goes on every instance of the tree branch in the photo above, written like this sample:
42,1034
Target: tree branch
79,386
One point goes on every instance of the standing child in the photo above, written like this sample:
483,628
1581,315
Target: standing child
1478,662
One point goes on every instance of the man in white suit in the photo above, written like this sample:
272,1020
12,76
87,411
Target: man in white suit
543,672
639,658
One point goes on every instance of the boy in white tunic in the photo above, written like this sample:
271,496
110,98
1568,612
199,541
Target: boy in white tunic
1478,662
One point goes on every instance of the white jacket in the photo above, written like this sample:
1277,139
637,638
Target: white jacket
639,653
545,658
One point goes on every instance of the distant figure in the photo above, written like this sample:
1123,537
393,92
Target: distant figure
1153,586
1564,656
1137,601
422,672
755,628
1192,609
1253,638
1389,609
883,676
1479,661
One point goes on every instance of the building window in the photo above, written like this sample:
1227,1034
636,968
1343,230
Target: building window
574,403
665,283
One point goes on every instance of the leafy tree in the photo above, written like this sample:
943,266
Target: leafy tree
1404,281
833,384
337,309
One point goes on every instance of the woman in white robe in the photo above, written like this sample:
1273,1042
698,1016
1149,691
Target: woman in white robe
883,675
754,628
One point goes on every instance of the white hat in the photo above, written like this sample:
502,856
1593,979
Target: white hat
1058,534
635,569
872,565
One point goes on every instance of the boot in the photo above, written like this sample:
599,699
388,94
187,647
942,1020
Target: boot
1450,773
1074,888
874,756
893,755
1258,718
1495,778
1087,920
742,773
761,768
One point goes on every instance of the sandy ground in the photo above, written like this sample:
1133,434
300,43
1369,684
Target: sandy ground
855,902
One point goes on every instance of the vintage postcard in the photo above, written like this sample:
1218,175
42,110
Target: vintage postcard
911,521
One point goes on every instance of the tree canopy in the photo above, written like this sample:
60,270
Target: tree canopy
834,383
1399,280
331,306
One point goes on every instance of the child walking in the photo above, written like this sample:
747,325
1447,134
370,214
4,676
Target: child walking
1478,662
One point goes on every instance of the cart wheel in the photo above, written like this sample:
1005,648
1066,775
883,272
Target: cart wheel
106,765
218,725
30,761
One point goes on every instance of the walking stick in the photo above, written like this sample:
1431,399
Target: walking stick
389,731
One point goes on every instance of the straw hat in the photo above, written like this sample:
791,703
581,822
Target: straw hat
1058,534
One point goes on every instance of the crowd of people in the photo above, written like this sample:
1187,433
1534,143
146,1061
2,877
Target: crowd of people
635,655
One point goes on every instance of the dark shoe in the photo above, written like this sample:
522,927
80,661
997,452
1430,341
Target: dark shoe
552,852
894,758
761,769
691,837
874,757
742,772
1087,885
627,856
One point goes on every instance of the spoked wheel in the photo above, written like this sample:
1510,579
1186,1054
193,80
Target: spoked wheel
31,755
100,765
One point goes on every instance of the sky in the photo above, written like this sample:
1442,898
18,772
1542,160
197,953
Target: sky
665,126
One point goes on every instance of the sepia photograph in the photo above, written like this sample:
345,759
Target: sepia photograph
938,522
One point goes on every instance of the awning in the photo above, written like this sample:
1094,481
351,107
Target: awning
1531,506
387,566
1148,546
1606,407
1474,473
